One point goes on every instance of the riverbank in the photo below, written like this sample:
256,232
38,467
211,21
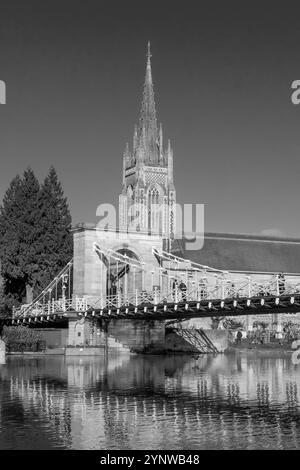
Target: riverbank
266,348
46,352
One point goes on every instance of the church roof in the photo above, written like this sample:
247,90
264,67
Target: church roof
250,253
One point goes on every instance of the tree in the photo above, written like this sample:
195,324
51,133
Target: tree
35,225
22,338
9,222
19,231
57,247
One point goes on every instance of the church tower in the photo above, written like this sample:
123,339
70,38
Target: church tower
147,201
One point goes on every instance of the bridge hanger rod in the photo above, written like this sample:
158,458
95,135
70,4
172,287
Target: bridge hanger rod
165,272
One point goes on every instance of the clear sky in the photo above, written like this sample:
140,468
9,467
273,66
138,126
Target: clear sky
222,75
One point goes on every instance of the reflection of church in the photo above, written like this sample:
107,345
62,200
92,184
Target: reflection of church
147,219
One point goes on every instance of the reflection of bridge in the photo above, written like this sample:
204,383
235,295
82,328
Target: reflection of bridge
207,407
173,288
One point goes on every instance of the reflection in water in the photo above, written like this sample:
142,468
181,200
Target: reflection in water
136,402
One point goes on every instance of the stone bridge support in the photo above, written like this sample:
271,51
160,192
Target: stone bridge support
83,333
95,337
140,336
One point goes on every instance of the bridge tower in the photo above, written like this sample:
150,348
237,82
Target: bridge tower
92,273
97,278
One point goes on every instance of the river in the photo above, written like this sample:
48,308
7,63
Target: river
150,402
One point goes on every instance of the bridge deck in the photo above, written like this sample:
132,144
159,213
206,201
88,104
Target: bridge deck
171,310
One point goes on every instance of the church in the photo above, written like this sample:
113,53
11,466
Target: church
148,174
147,220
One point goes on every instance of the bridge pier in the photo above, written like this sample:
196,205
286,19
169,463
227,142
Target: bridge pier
140,336
96,337
84,335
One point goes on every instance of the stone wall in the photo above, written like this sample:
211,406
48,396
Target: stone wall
140,336
135,336
54,337
89,273
82,333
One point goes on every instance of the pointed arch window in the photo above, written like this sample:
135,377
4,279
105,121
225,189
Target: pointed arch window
154,195
130,192
154,210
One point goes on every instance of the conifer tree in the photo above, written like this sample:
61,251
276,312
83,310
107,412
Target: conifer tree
20,232
36,243
57,247
10,213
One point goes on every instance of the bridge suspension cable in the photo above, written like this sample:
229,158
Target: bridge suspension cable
127,282
56,295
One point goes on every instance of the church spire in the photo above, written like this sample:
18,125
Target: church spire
148,114
148,172
149,55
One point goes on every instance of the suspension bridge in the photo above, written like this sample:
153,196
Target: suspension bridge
172,288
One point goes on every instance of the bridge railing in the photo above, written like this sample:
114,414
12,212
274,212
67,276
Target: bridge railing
62,305
172,287
227,289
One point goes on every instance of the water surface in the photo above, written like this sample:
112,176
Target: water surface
157,402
